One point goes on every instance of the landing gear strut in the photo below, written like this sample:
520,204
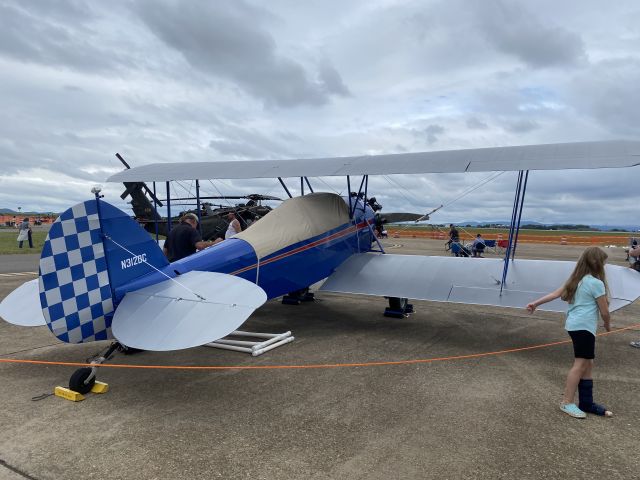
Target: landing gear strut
398,308
84,378
295,298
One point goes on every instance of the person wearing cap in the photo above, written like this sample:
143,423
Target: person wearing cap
184,239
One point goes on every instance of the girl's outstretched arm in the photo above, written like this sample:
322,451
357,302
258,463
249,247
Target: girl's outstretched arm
531,307
603,306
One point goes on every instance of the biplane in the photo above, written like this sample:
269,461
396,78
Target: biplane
102,277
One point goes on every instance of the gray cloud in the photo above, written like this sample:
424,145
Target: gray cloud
476,124
230,39
432,132
607,92
517,30
522,126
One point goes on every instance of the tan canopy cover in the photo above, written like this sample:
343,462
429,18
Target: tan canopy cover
297,219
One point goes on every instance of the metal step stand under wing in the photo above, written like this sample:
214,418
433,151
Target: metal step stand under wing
269,342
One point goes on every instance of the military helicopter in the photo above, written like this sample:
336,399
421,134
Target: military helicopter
213,217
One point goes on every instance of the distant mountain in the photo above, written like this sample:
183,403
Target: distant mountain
604,228
608,228
500,222
8,211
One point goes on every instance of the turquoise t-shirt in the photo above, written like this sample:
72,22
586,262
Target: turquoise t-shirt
583,312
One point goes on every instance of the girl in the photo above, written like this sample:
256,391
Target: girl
586,292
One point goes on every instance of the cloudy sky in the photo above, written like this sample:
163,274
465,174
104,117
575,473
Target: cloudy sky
162,81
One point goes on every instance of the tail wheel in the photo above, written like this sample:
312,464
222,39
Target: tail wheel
78,379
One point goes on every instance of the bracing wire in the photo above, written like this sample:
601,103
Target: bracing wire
220,193
473,188
329,186
157,270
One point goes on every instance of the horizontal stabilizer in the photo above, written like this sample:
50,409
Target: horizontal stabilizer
22,306
201,308
469,280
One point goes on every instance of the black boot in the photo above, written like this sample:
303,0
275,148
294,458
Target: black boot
585,393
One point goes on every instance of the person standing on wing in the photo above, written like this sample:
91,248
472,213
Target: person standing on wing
234,226
586,293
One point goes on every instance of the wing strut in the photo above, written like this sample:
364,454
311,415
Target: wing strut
285,187
198,209
155,207
514,227
168,208
308,184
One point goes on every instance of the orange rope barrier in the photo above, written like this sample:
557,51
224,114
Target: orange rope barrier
313,366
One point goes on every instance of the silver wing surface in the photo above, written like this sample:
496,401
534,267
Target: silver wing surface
559,156
469,280
167,316
22,306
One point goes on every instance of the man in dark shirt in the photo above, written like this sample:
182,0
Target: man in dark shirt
184,239
454,236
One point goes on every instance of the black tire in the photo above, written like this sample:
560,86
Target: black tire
76,382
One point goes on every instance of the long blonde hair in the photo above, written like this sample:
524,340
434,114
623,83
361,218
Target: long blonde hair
591,262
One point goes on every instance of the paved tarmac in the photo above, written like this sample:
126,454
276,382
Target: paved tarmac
489,417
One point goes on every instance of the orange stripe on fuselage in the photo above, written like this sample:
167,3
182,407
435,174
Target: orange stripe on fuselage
302,248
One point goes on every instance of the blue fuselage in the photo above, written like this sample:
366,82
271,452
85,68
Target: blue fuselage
288,269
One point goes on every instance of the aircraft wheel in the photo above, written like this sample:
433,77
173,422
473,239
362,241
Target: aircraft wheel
76,382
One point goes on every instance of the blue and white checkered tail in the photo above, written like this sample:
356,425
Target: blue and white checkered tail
91,250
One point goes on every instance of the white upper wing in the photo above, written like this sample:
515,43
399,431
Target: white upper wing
557,156
469,280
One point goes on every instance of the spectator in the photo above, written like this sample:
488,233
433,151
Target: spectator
478,246
454,235
25,233
234,226
633,256
586,293
184,239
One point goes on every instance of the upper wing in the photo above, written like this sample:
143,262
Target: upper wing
469,280
557,156
167,316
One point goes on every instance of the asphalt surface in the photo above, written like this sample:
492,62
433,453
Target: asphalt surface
492,417
27,262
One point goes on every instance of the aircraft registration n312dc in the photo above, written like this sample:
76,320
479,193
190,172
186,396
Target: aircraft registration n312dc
103,277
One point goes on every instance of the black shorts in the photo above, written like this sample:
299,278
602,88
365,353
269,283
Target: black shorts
584,344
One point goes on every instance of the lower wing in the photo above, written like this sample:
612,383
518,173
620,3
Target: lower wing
469,280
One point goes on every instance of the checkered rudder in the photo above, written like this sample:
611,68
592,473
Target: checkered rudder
75,294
